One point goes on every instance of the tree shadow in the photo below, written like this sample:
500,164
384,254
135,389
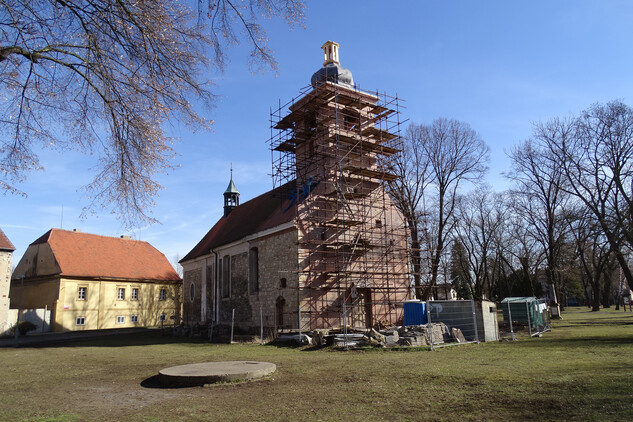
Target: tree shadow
104,338
579,342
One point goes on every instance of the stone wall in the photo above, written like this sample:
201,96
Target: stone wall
277,261
5,282
238,297
191,309
210,292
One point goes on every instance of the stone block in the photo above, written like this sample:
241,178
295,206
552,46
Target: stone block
405,341
458,336
392,340
376,335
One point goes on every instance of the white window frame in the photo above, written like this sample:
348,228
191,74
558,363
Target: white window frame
134,294
120,319
82,292
162,294
162,317
120,293
134,318
80,320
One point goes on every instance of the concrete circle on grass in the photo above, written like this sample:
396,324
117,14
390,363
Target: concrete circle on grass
196,374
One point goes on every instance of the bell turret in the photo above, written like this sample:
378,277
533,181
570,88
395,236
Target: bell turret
231,196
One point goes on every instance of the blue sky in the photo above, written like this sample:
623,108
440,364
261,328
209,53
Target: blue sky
498,65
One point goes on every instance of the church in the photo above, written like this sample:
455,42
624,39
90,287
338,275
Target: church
326,247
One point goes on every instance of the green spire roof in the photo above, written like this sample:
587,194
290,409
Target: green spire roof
231,188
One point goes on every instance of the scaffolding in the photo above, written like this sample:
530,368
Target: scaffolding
332,143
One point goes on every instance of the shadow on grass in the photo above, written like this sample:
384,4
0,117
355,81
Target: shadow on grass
146,338
578,342
293,345
594,322
153,382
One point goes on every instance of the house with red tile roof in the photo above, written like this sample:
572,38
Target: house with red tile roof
6,259
90,281
326,247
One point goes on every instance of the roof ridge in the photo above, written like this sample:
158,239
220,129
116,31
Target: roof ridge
270,209
5,243
94,255
79,232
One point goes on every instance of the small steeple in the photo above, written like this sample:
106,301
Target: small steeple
330,53
231,196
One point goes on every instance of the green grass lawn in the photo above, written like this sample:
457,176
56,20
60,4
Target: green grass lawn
582,370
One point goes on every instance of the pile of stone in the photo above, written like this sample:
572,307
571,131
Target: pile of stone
409,336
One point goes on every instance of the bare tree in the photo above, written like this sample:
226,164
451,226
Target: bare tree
541,198
518,254
175,262
412,168
456,155
593,252
102,76
610,281
460,272
597,162
480,217
436,161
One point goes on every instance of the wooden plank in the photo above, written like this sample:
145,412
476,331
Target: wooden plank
378,109
381,134
383,115
285,147
351,138
335,222
371,173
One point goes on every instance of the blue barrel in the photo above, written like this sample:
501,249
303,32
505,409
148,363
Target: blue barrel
414,312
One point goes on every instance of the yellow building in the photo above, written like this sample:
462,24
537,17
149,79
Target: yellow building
95,282
6,255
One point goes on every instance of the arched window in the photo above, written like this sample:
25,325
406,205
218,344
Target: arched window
253,270
192,292
280,310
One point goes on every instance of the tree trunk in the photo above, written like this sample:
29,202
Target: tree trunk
595,303
417,267
606,288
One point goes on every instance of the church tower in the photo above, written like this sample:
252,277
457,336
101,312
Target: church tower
336,142
231,196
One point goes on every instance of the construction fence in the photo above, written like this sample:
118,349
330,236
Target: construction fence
525,315
415,323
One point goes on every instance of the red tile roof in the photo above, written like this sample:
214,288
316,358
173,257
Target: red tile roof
5,243
89,255
266,211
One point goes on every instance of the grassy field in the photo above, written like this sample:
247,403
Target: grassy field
582,370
